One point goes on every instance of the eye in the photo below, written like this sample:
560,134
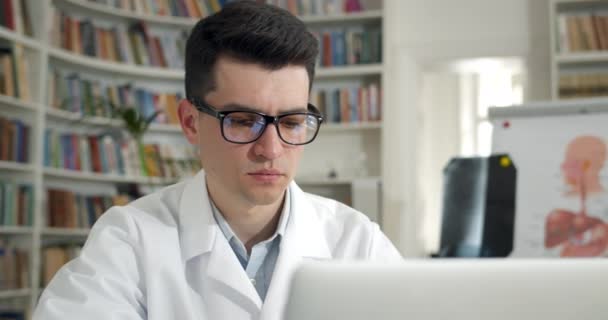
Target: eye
245,119
293,121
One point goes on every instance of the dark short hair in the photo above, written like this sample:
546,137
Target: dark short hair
249,32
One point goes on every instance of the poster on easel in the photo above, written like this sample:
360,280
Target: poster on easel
561,156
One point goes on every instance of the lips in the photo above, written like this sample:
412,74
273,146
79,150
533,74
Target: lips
266,176
267,172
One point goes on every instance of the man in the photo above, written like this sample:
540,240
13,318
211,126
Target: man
223,245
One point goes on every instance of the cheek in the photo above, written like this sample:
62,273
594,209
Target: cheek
294,155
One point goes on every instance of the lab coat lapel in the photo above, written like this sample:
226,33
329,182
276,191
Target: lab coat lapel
304,238
226,275
200,235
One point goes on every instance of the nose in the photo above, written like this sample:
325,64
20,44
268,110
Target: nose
269,145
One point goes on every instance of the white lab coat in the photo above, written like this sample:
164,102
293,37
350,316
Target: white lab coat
164,257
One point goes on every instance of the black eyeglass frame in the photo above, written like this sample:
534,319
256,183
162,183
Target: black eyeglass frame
204,107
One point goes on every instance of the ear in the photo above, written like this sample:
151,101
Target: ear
188,119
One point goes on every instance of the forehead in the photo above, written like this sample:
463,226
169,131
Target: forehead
253,85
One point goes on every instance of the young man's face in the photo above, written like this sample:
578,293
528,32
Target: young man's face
258,172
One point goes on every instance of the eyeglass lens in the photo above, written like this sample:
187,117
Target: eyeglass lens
244,127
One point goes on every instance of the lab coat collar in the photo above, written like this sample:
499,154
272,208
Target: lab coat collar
199,234
197,226
304,236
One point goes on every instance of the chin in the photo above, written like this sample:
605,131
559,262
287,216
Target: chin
266,197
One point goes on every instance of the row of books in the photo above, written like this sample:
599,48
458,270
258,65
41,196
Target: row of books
14,267
16,204
176,8
583,85
88,96
318,7
106,154
349,104
134,44
338,47
14,80
14,140
54,257
582,32
68,209
14,15
202,8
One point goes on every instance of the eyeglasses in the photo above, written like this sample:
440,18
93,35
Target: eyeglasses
242,127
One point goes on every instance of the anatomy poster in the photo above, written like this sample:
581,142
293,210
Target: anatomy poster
562,183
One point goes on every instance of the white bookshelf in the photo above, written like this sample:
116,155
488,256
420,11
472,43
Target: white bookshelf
40,116
104,178
355,17
107,122
330,181
15,166
10,102
85,62
16,293
109,11
100,9
65,232
19,39
14,230
355,126
566,61
349,71
581,58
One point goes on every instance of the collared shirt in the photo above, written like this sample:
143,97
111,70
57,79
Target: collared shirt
260,265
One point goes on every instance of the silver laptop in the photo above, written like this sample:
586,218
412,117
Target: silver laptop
451,289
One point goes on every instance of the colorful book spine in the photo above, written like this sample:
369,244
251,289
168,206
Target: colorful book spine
106,155
349,104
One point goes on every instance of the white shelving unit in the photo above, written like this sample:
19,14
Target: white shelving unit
18,293
564,62
65,232
345,137
16,103
85,62
14,166
15,230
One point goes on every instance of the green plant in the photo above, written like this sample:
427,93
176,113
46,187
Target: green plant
134,122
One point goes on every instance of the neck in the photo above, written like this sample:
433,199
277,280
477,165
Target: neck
251,223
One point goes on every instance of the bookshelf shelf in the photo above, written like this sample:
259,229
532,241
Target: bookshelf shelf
349,71
15,230
185,22
337,127
77,118
107,10
17,103
355,17
114,67
16,293
329,182
96,177
15,37
16,166
101,121
580,58
65,232
172,74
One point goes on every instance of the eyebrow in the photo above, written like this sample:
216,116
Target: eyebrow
241,107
